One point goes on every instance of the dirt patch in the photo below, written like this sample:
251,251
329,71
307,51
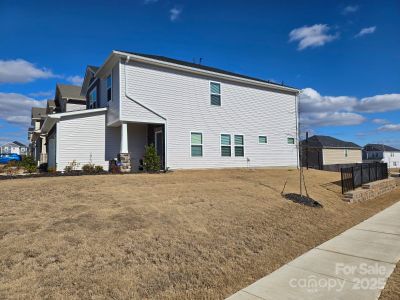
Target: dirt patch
392,288
186,234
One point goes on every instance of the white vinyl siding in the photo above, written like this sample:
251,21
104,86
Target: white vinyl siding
81,138
184,101
75,106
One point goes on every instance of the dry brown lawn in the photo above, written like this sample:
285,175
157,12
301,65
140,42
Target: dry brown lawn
186,234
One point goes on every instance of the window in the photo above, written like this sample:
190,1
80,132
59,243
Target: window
394,164
196,140
262,139
392,154
93,98
215,91
346,153
290,140
109,88
225,145
239,145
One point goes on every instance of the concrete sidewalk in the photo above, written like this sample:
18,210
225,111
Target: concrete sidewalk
354,265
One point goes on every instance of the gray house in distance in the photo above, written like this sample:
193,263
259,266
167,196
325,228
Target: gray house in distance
328,153
14,147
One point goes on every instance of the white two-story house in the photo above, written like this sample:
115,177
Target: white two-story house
382,153
196,116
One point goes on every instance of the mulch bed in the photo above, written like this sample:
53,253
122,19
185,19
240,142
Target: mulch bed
55,174
301,199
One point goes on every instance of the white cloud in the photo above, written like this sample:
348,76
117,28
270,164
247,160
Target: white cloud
312,36
318,110
76,80
379,103
380,121
331,119
16,108
350,9
19,71
367,30
42,94
390,127
174,13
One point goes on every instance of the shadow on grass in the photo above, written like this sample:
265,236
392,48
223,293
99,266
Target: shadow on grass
297,198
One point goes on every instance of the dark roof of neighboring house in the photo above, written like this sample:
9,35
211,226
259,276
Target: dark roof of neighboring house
19,144
38,112
70,91
51,103
323,141
380,147
203,67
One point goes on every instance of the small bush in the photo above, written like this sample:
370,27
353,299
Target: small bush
30,169
88,169
98,169
72,166
151,161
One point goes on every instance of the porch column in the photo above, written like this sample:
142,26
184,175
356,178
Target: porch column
124,157
43,154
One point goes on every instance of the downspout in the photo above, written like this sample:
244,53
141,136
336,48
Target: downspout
297,128
149,109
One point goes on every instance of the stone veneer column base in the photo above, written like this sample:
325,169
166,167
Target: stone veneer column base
125,161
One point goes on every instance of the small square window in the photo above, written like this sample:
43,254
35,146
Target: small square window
262,139
290,140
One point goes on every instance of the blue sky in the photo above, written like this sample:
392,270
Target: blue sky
345,55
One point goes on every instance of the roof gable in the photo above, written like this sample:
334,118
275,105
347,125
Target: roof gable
70,92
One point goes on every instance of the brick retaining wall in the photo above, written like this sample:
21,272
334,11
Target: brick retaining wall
372,190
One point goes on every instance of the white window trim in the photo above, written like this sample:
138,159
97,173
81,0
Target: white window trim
266,138
234,144
220,145
202,144
220,93
112,87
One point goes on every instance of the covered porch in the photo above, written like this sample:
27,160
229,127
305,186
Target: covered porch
131,139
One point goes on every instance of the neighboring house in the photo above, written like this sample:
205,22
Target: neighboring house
14,147
196,116
328,153
382,153
68,98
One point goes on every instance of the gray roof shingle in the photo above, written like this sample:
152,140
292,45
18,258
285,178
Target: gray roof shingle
324,141
380,147
38,112
203,67
70,91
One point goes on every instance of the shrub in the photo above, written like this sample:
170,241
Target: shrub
72,166
88,169
51,170
98,169
151,161
28,163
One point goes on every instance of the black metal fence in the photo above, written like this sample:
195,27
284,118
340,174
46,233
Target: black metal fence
356,176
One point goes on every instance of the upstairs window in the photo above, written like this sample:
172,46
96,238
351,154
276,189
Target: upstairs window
93,98
109,88
346,154
239,145
290,141
196,141
225,145
215,92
